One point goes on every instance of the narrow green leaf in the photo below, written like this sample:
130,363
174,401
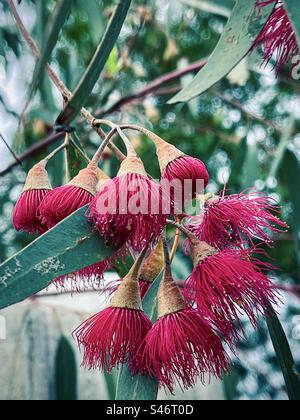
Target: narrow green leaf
293,11
284,354
110,383
291,169
135,387
139,387
65,372
233,46
91,76
52,31
230,383
66,248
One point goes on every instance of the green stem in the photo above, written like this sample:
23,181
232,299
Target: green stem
57,150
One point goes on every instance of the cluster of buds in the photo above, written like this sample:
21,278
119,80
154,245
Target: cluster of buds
197,317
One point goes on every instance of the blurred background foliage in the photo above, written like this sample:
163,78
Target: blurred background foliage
246,129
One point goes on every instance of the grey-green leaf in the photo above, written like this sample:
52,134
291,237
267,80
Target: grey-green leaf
91,75
233,46
291,165
284,355
52,31
66,248
293,11
66,387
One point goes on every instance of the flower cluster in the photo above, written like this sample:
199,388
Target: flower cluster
185,338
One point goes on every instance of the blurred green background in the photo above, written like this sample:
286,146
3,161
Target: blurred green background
246,130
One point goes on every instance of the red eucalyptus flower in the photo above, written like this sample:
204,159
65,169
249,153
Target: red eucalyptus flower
180,347
225,284
235,219
128,208
187,175
25,212
63,201
277,38
113,336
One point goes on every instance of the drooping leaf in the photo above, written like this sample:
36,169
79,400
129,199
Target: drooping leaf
44,85
66,248
91,76
284,355
65,372
110,379
52,31
293,11
230,382
233,46
291,165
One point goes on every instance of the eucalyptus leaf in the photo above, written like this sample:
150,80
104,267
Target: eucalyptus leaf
284,355
52,31
233,46
92,73
291,169
68,247
65,372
